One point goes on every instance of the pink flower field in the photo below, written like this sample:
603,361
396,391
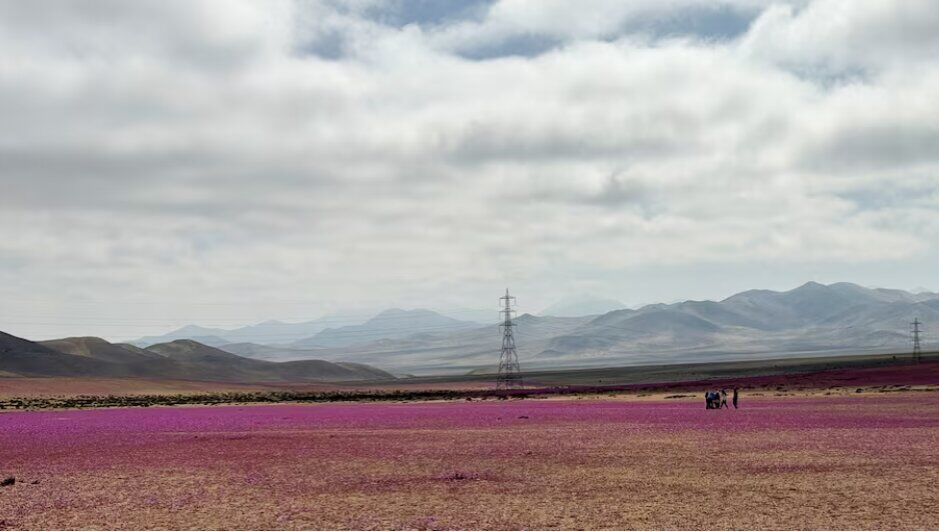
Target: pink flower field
870,461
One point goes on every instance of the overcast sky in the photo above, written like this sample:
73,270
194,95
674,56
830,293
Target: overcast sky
223,163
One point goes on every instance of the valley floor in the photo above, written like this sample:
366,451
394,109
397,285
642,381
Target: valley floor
856,461
791,373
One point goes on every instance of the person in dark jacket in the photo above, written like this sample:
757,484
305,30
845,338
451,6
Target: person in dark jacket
735,397
713,398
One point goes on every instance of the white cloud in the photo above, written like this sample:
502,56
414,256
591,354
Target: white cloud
838,36
153,151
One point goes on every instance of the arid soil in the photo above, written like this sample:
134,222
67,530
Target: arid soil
813,374
76,386
858,461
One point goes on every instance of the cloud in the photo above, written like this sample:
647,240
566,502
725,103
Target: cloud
828,37
361,154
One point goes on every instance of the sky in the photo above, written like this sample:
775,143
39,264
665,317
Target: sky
228,162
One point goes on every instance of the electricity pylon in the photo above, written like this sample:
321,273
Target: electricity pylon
915,330
510,374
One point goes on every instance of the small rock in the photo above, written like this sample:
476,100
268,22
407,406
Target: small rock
9,481
523,417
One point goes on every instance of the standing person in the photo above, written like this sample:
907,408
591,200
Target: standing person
723,398
735,397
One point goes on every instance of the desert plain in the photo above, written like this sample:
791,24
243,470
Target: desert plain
817,458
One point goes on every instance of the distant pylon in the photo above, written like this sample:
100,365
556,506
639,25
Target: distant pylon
510,374
915,330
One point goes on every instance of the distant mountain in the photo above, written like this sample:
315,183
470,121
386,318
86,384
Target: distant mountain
799,307
483,316
390,324
582,306
179,359
270,352
268,332
453,351
812,318
189,332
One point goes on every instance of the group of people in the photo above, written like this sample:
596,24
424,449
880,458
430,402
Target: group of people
718,399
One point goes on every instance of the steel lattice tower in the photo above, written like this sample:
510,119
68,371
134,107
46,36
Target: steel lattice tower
915,330
510,374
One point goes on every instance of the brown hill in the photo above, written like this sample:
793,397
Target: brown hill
22,357
215,364
100,349
180,359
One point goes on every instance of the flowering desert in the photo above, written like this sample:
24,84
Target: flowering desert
847,461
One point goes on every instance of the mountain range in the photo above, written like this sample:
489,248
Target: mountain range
179,359
813,318
329,331
390,324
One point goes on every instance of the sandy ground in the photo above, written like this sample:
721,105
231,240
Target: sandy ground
859,461
72,386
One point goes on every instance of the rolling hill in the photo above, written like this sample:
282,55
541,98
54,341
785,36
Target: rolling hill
100,349
22,357
179,359
210,363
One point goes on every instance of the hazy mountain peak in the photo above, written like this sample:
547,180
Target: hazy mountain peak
811,285
394,323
